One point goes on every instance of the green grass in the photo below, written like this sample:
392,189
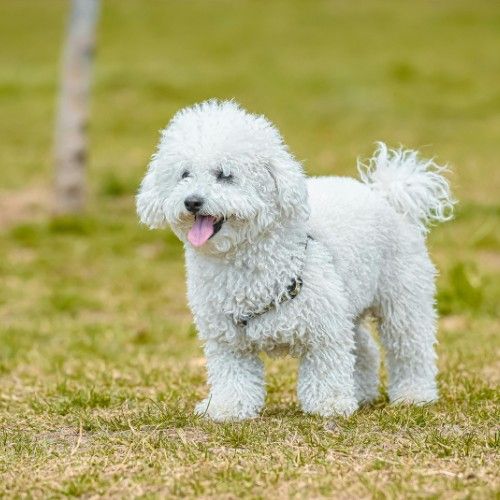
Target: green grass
99,362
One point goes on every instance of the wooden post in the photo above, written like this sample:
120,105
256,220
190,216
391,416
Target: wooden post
70,139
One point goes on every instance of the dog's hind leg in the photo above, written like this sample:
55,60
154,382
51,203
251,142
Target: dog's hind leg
408,332
366,368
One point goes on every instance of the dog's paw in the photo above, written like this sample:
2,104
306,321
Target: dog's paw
331,407
224,411
414,395
366,395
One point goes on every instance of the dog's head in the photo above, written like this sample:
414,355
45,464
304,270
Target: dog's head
220,178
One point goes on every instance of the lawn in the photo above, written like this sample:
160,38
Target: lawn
99,363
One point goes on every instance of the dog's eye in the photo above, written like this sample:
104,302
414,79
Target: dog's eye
185,174
221,177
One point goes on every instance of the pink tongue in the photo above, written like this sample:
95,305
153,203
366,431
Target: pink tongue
202,229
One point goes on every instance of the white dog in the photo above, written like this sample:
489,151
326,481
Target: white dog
288,265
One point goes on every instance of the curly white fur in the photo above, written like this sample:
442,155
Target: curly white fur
367,256
414,187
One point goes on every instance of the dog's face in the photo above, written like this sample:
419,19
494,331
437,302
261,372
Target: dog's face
220,178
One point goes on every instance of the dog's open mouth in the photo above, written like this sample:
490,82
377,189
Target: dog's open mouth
204,227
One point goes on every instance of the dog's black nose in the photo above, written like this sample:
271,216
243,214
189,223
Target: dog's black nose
193,203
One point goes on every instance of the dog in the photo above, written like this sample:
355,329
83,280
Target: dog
283,264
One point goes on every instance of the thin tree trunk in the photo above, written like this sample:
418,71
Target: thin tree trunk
70,140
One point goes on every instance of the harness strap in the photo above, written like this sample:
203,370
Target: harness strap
290,293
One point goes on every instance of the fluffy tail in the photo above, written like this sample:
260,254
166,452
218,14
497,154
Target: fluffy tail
415,187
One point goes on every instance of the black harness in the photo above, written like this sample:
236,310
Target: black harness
292,290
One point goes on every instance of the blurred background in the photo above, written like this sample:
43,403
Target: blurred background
96,299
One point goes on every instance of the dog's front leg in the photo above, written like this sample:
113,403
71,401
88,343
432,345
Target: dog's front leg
236,381
326,378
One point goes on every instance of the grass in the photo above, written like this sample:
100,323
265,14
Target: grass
99,363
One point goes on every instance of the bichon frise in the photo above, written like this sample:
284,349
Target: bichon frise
282,264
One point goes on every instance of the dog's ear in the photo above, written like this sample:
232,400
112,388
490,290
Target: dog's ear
291,186
149,199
